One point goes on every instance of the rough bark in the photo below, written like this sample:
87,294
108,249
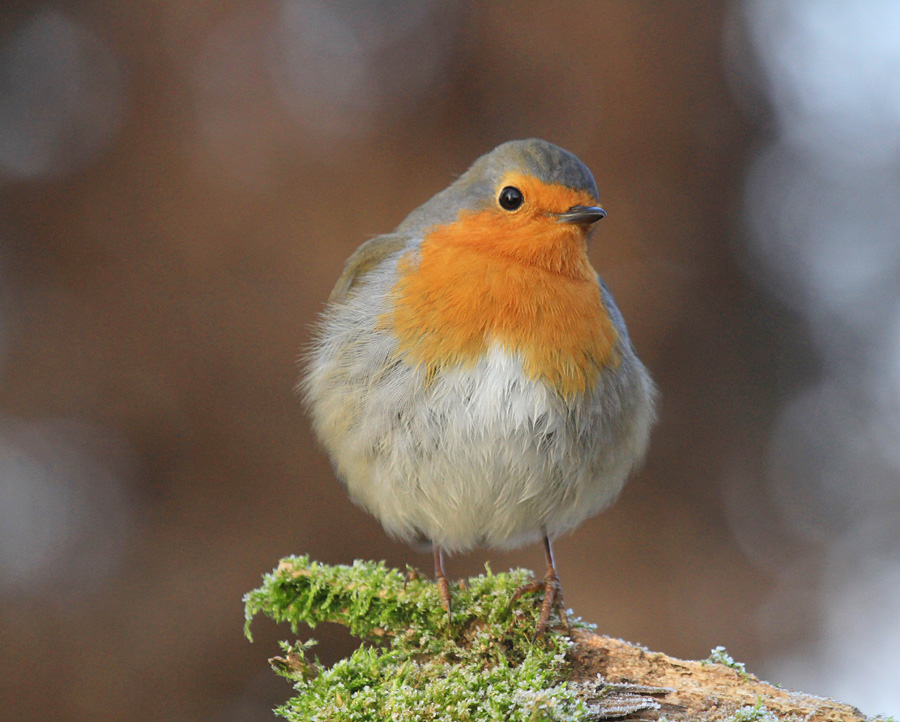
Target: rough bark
637,684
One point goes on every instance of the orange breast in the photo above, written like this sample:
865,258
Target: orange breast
520,280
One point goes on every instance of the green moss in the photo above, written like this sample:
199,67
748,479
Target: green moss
720,655
414,663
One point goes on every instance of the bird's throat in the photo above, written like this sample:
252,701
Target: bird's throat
536,296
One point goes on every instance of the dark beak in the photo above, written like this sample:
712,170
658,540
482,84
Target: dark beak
582,215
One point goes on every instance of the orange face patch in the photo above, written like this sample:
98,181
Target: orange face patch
518,278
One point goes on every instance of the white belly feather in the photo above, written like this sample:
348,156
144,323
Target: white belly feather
481,455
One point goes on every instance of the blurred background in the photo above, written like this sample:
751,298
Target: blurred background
180,184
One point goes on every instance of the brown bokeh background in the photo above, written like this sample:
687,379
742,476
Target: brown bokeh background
193,179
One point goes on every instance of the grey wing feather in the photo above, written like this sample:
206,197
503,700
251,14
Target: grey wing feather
369,255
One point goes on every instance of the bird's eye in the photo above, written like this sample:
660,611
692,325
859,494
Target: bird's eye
511,198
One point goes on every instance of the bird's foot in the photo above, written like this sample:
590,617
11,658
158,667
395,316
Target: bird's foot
552,598
444,591
441,580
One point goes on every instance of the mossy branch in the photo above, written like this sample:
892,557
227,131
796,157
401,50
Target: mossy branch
415,664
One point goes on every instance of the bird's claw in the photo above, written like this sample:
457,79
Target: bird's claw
444,591
552,598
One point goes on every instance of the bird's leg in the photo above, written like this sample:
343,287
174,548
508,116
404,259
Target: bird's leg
442,584
552,593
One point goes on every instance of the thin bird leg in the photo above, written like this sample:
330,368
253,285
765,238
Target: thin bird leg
552,593
442,584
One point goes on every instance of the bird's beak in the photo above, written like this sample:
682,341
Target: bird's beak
582,215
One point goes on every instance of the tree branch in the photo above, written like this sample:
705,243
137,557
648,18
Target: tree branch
415,664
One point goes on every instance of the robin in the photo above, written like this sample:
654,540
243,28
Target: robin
471,376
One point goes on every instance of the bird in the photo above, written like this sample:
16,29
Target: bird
470,375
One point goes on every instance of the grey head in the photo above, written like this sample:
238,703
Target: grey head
477,188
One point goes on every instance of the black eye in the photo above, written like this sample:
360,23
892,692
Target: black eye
511,198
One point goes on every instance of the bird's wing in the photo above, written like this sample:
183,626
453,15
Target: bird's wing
364,259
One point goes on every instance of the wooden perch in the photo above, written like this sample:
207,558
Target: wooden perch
686,690
415,664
